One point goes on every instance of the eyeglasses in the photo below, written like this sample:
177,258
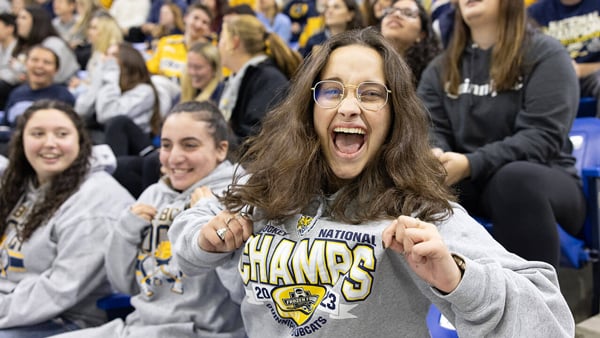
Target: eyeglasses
370,95
404,12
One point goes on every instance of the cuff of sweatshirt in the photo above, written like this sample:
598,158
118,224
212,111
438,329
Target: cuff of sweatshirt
469,296
130,227
475,164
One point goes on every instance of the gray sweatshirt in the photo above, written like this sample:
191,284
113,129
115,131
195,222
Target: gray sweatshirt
312,276
59,270
105,98
167,303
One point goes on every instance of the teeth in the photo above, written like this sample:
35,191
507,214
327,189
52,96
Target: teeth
49,156
179,171
349,131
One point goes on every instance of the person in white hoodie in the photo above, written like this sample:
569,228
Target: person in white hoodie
57,203
122,87
194,147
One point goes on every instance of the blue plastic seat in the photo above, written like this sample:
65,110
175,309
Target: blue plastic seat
117,305
576,251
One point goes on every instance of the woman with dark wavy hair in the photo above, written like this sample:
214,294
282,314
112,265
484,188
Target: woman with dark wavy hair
344,216
407,26
56,206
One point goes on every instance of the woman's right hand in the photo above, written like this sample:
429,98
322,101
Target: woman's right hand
144,211
235,229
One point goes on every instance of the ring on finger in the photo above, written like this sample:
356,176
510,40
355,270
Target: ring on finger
221,233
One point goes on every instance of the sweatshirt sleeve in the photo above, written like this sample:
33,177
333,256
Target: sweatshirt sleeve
85,104
121,257
125,241
500,294
551,97
184,233
76,272
431,91
134,103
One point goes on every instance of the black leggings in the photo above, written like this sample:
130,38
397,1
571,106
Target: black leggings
525,201
125,137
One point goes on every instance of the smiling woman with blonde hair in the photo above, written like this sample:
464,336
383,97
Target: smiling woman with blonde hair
202,73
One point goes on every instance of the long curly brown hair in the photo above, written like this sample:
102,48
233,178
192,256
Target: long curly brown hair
287,168
19,172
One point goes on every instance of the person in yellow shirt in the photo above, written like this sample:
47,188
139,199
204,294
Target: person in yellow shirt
170,56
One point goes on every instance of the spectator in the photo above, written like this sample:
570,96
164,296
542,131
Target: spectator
34,26
168,303
9,76
321,218
85,12
576,24
65,18
261,68
203,73
407,26
269,14
155,9
123,88
199,82
502,100
41,64
170,22
299,11
170,55
102,33
339,16
57,203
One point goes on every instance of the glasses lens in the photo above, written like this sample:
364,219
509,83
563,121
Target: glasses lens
408,13
328,94
404,12
372,95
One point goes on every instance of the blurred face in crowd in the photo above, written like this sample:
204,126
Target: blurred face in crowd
166,16
197,24
24,23
41,67
6,32
479,12
402,24
17,6
337,14
379,6
200,70
265,5
188,151
92,32
350,135
51,143
63,7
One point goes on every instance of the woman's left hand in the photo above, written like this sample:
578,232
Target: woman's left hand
456,165
200,193
424,250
